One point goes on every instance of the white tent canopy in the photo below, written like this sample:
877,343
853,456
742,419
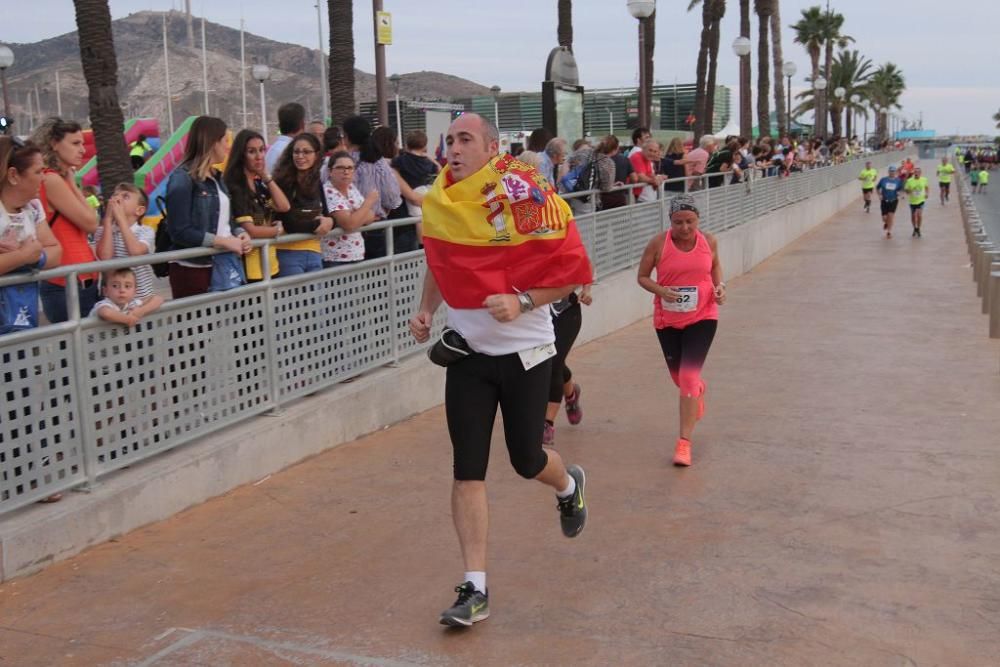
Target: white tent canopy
731,129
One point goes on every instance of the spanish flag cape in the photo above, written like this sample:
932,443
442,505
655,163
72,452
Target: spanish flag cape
502,230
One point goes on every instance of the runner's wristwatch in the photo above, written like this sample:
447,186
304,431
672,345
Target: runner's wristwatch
527,303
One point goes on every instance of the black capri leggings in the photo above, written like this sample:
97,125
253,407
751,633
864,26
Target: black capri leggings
473,389
685,351
567,326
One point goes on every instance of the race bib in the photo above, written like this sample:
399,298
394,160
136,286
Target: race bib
889,186
536,355
687,301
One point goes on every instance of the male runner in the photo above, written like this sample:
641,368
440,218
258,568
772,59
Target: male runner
867,178
500,244
917,188
888,193
944,172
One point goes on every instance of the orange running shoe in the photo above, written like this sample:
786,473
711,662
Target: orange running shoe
701,400
682,452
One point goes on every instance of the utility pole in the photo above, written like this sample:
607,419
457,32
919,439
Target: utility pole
380,96
190,25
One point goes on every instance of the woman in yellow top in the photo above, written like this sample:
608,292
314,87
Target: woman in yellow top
944,172
917,188
868,176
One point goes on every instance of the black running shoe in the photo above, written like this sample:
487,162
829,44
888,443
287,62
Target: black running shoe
470,607
573,510
914,234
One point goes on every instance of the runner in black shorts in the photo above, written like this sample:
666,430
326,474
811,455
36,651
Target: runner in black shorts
496,270
888,193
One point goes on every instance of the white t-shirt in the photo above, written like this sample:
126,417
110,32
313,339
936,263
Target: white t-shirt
487,336
144,278
275,150
343,247
21,225
223,228
108,303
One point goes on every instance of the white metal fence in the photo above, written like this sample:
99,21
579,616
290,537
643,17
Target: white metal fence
85,397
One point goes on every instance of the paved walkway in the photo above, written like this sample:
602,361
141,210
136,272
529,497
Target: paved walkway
842,509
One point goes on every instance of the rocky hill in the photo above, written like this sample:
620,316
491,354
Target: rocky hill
142,79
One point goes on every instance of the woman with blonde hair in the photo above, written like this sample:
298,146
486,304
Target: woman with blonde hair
199,215
69,215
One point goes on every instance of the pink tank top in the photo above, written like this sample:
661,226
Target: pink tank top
691,274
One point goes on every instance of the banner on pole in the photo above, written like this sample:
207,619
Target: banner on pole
383,27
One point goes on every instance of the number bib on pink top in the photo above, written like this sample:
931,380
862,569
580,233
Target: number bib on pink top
689,273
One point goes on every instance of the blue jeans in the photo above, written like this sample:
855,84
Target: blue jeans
54,301
294,262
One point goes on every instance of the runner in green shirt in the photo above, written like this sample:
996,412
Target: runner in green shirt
917,188
944,172
984,179
868,177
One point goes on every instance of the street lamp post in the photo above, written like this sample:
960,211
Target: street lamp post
642,10
741,47
262,73
790,70
819,85
855,99
166,74
395,79
380,101
496,105
6,60
322,65
840,93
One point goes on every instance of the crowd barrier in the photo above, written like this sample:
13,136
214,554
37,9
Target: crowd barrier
984,253
85,397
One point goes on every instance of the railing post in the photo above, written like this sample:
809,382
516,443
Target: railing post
273,377
88,442
995,304
390,251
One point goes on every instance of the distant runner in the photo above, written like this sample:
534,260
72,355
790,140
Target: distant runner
917,188
944,172
867,178
888,193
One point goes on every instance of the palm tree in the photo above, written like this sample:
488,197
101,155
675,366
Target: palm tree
565,28
809,32
718,12
779,70
763,9
100,69
996,118
746,109
885,88
702,67
340,72
851,71
832,25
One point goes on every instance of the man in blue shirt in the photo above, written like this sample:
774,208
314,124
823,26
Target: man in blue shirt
888,189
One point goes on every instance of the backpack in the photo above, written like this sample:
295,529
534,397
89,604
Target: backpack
581,178
162,242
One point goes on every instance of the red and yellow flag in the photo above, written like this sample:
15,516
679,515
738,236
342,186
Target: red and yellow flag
500,231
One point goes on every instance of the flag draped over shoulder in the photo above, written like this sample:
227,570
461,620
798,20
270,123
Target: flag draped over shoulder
501,230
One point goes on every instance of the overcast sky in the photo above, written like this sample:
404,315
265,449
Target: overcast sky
944,49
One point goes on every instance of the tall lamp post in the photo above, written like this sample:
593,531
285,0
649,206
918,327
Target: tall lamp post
496,105
855,100
322,63
395,80
262,73
642,10
741,47
790,70
6,60
840,93
819,85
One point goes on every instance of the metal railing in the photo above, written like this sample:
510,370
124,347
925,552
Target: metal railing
85,397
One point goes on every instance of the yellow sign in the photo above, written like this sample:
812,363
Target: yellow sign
383,27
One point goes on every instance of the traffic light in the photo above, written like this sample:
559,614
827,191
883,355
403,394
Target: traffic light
5,124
